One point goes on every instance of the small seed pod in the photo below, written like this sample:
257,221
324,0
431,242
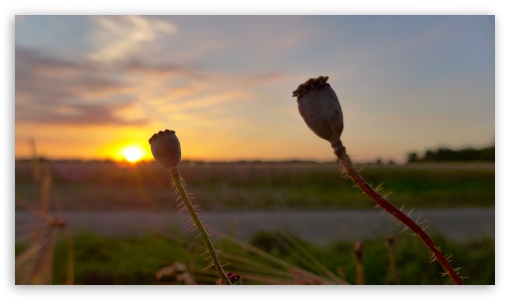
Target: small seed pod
320,108
166,149
233,278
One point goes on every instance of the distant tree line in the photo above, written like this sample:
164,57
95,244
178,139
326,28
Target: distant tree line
445,154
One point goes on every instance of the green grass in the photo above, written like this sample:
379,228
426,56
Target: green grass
102,260
262,186
135,260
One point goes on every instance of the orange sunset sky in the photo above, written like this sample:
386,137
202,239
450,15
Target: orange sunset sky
87,87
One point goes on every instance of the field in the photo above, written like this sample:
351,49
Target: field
229,187
104,186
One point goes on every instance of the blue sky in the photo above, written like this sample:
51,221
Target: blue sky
95,84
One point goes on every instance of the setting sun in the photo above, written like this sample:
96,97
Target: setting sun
132,153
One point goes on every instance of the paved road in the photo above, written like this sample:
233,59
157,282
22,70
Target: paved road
319,227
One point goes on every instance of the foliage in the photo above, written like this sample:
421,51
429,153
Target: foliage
446,154
108,260
136,260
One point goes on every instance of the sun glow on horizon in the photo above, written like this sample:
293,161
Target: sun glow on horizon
132,154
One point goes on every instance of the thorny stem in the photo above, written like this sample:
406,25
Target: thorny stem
176,176
387,206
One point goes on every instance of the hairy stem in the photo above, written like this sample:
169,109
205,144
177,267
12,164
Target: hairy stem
387,206
176,176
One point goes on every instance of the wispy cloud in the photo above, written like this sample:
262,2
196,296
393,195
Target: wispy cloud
119,37
39,74
55,91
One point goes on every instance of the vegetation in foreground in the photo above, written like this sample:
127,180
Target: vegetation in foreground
137,260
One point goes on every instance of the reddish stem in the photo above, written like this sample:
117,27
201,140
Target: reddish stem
387,206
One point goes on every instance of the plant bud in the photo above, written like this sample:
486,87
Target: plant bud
320,108
233,278
166,149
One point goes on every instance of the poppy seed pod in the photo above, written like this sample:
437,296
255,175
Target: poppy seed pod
166,149
320,108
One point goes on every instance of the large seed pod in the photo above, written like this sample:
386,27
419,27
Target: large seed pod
320,108
166,149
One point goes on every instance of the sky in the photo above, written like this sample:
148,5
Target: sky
88,86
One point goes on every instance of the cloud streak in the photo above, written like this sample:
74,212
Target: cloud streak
55,91
120,37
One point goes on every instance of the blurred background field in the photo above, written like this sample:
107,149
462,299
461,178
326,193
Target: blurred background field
108,255
105,186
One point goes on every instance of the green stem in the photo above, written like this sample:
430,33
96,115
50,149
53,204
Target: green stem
387,206
176,176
